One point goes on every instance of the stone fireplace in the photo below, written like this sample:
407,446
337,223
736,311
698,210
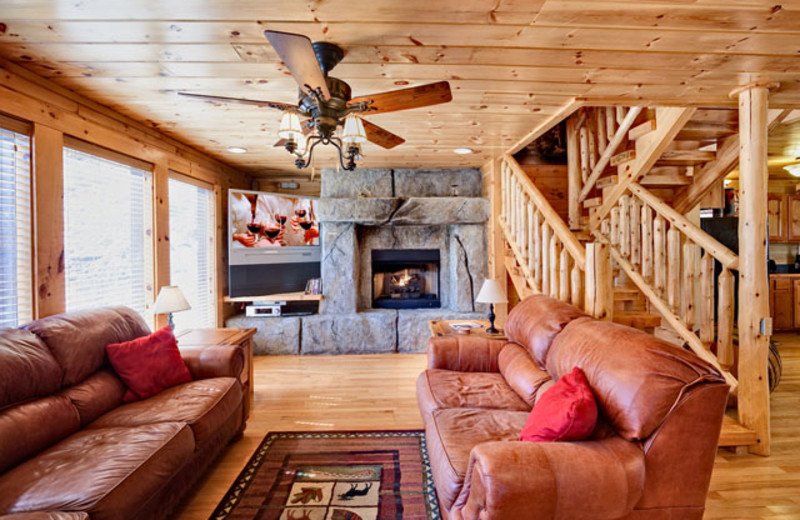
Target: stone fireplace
380,229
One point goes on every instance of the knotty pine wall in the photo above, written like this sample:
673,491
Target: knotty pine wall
55,112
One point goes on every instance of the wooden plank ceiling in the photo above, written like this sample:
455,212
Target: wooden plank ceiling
511,63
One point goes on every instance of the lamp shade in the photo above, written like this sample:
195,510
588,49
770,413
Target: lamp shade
491,292
290,126
170,299
354,132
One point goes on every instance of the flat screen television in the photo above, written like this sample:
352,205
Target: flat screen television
273,243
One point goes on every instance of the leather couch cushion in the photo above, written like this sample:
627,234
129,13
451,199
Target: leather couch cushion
28,428
438,389
205,405
535,321
106,472
148,364
95,395
451,434
27,368
78,340
635,377
521,373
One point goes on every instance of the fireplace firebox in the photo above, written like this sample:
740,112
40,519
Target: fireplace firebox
405,279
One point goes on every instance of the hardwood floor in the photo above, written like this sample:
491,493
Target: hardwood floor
374,392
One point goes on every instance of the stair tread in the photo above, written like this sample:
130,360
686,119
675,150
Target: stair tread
637,319
736,434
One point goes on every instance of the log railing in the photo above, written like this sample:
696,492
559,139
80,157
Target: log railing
594,136
551,258
667,257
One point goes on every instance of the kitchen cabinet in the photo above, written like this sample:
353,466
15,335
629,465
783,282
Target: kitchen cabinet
782,302
793,218
796,305
783,214
777,217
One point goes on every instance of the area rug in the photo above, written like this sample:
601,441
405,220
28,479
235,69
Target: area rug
382,475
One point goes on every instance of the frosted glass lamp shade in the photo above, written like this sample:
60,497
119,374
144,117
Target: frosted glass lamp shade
290,126
491,292
170,299
302,145
354,132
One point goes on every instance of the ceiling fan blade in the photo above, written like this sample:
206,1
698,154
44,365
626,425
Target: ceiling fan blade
381,136
414,97
296,52
242,101
280,143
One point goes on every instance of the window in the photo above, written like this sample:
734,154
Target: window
16,282
108,222
192,258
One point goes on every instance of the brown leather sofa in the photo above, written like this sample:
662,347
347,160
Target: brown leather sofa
70,449
650,457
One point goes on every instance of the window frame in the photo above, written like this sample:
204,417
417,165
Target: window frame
73,143
213,224
25,128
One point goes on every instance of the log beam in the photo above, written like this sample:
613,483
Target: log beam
754,318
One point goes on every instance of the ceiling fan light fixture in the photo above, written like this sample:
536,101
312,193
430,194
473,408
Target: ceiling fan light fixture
301,145
793,169
463,151
237,149
290,126
354,132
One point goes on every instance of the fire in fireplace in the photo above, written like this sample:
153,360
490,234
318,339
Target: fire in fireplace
405,279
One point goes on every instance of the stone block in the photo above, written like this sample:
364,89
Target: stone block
469,265
274,336
413,332
438,182
339,268
366,182
370,212
373,331
441,211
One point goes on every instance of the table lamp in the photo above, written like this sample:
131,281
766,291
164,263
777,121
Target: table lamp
491,293
170,299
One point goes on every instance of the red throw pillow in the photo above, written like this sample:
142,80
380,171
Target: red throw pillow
149,364
567,411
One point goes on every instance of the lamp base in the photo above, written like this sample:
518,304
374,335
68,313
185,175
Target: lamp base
170,322
491,329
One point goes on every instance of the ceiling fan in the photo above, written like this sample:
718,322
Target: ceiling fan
326,103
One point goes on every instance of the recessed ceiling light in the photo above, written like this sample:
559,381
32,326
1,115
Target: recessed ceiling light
237,149
463,151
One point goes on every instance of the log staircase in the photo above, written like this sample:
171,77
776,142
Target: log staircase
628,252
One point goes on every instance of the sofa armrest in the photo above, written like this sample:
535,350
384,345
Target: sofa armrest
464,353
46,515
214,361
595,479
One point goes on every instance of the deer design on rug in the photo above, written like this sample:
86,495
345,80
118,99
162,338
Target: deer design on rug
353,492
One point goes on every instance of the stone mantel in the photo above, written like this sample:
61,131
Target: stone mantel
404,211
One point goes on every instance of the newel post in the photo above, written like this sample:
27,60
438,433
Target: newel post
599,283
755,324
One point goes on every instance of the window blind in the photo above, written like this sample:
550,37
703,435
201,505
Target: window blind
108,238
192,256
16,282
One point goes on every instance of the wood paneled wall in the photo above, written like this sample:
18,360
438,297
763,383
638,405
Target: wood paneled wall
54,113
